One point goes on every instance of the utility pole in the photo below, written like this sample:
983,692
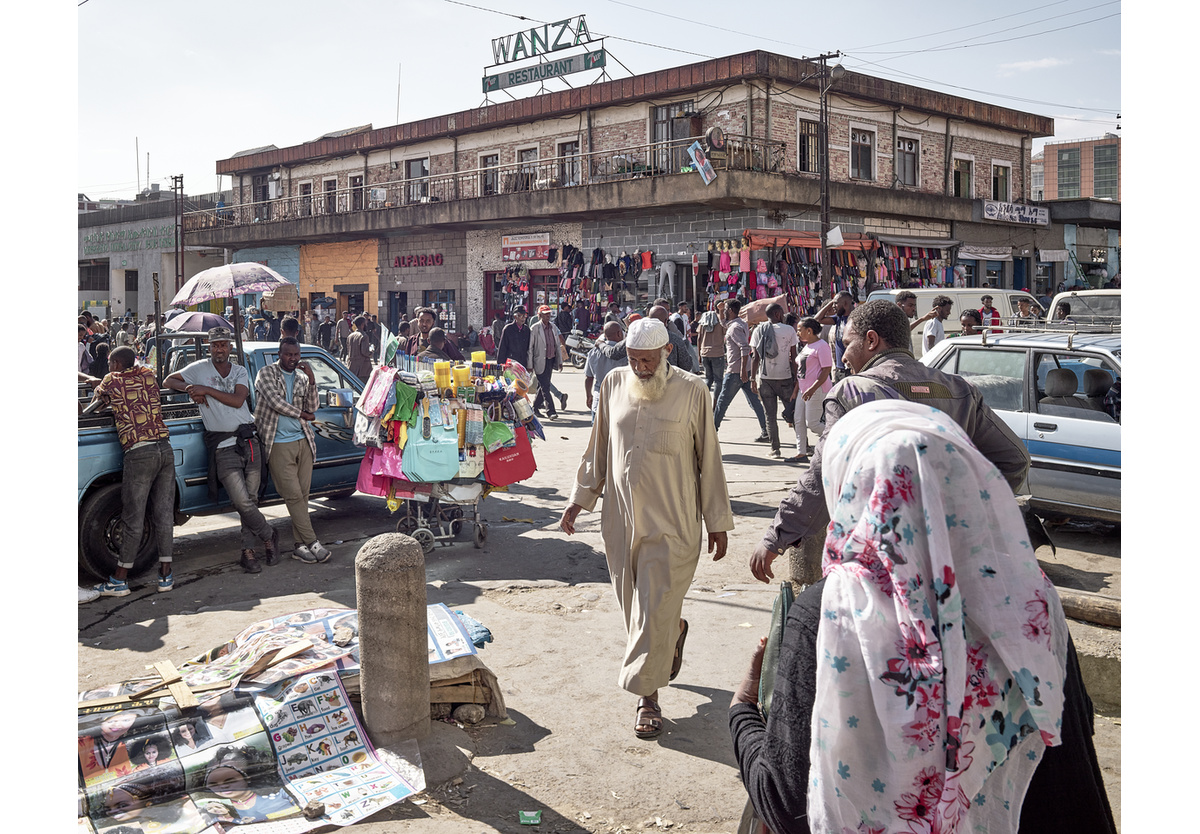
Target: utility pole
177,188
826,81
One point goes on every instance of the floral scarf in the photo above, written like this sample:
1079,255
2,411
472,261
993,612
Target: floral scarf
942,649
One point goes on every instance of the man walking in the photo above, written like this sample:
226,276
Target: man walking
599,365
710,342
654,456
775,359
342,334
286,406
544,359
737,370
877,351
147,469
358,350
235,455
934,330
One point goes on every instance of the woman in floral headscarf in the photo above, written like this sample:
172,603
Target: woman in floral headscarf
921,682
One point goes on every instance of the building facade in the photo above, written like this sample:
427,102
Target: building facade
473,212
1083,169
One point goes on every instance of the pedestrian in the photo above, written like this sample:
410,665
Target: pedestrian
85,355
877,352
358,350
907,300
544,359
1025,316
737,370
682,318
325,331
1062,313
773,369
970,322
373,334
710,341
514,339
934,331
260,331
289,327
417,342
836,312
951,706
583,318
989,315
657,485
436,352
147,467
598,365
99,365
565,320
813,382
342,333
285,406
273,323
235,456
313,329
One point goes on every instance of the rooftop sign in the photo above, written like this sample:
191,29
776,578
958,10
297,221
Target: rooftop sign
541,40
552,68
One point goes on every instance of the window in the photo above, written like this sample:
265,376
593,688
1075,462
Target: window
1089,390
862,155
330,187
961,183
568,163
131,280
261,192
1068,172
442,303
93,278
671,128
808,147
527,172
357,194
907,152
416,171
489,177
306,199
1037,182
998,375
1105,177
1001,175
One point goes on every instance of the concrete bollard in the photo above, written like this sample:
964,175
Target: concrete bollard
389,572
804,562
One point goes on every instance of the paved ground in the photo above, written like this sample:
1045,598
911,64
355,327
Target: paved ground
571,751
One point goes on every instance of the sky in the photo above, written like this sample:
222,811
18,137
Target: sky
169,88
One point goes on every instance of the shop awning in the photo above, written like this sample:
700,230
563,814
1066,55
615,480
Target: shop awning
1053,256
971,252
775,238
918,242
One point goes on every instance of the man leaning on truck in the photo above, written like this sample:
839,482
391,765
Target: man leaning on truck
147,469
235,454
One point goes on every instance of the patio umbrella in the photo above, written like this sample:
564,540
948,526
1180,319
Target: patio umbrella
229,281
195,321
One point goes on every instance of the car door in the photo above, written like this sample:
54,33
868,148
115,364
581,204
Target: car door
1076,449
999,374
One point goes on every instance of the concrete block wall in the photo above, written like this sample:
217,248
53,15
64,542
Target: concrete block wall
483,255
283,259
416,278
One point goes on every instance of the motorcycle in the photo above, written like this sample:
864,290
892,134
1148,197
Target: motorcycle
578,348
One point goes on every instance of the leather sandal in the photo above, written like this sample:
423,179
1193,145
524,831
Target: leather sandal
648,715
677,662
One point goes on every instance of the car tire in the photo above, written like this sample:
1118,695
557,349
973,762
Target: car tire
100,530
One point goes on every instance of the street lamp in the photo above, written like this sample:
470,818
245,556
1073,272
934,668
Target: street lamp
828,76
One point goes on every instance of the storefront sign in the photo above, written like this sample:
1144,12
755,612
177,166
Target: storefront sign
541,40
1016,213
406,261
525,247
545,70
129,240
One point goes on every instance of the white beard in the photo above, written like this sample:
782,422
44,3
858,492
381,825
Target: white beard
652,389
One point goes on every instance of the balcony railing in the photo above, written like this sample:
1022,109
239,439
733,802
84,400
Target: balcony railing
658,159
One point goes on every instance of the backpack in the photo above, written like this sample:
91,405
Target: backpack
763,340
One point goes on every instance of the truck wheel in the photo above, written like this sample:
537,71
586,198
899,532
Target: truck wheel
578,360
100,531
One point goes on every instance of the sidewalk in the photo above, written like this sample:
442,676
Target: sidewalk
571,751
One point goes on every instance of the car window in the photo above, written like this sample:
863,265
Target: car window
326,375
999,375
1097,386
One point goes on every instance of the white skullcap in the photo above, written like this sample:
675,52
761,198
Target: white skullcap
646,334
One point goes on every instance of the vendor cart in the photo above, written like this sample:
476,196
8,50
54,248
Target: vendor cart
437,518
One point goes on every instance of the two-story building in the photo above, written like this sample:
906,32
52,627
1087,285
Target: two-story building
472,212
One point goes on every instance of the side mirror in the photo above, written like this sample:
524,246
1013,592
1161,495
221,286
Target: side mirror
322,399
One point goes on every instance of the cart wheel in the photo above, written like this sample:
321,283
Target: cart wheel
406,524
480,534
424,537
455,527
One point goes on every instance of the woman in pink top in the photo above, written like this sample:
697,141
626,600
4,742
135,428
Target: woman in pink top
815,366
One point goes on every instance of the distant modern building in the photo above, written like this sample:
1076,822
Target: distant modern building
1037,177
1082,169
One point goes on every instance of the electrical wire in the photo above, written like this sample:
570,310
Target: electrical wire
993,43
960,28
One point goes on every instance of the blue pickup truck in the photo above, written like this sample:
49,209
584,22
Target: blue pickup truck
335,470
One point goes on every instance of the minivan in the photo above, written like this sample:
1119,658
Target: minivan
964,299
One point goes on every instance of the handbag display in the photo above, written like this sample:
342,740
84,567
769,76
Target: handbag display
508,465
779,614
432,459
368,482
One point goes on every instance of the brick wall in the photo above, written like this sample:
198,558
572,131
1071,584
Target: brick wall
325,265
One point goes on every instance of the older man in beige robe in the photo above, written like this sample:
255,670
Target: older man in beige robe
655,458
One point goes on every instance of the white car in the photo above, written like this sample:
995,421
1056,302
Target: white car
1060,393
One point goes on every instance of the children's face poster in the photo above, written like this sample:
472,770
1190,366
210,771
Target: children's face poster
244,760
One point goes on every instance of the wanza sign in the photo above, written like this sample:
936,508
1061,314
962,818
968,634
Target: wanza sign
544,70
541,40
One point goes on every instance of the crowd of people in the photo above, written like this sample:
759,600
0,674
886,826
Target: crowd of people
910,692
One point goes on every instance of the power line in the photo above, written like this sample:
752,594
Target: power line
993,43
960,28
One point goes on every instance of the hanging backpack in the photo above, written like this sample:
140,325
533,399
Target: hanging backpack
762,340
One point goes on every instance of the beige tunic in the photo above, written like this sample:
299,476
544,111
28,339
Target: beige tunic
658,466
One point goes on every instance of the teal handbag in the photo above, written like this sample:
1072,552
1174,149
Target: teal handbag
434,457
